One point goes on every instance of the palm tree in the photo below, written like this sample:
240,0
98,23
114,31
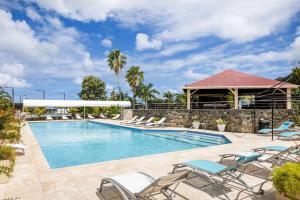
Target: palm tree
134,78
147,92
5,100
116,62
169,96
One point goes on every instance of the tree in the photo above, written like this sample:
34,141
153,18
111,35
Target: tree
73,110
134,78
147,92
116,62
295,76
123,96
39,111
92,88
169,96
180,98
5,100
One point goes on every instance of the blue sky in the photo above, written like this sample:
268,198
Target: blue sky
52,45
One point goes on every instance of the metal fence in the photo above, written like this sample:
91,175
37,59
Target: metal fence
258,104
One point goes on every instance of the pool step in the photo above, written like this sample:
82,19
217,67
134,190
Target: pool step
198,138
184,139
208,138
175,139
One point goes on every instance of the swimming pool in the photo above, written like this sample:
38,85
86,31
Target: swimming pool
80,142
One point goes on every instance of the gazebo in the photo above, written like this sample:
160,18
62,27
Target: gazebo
239,84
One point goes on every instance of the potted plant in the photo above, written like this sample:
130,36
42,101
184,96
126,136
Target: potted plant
286,180
196,122
221,125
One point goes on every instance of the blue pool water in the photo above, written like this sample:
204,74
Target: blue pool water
75,143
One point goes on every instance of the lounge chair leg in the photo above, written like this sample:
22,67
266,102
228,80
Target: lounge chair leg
101,185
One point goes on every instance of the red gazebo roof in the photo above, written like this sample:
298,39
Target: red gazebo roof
236,79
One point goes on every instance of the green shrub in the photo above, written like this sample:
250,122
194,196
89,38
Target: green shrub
286,180
296,119
112,110
7,153
221,121
156,119
195,118
39,111
73,111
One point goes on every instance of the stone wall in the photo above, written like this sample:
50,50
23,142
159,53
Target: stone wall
237,120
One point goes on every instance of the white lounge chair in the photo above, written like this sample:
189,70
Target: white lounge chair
139,185
130,121
159,123
90,116
64,117
139,120
21,147
146,122
116,117
49,117
78,116
103,116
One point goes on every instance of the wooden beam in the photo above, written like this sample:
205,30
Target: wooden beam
231,90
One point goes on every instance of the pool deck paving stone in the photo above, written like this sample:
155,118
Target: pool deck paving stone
33,179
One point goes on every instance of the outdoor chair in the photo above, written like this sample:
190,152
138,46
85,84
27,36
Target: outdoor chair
139,185
78,116
132,120
116,117
215,172
289,135
145,122
278,155
21,147
137,120
64,117
103,116
284,126
161,122
49,117
90,116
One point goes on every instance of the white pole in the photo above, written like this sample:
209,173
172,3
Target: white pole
288,98
236,98
188,96
84,112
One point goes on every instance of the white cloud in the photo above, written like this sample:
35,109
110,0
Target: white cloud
33,15
143,42
52,51
173,49
192,75
186,20
107,43
12,75
298,31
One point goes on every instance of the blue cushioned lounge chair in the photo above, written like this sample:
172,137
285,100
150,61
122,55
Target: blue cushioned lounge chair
288,135
210,171
284,126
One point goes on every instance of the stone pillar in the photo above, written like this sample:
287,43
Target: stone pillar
188,99
288,98
236,98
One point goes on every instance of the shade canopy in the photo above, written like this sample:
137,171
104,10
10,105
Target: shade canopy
73,103
236,79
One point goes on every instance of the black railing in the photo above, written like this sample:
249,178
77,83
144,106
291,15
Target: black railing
160,106
278,103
